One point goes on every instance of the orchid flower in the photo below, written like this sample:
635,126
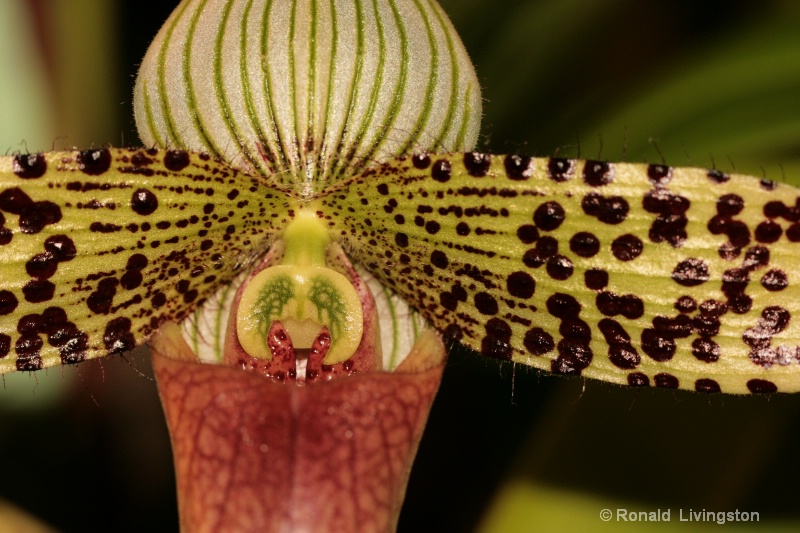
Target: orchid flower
488,336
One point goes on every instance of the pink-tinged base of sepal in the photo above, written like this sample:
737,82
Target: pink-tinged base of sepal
253,454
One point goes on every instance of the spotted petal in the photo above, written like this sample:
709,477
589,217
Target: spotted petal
99,247
634,274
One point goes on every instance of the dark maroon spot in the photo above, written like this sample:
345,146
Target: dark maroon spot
5,345
100,300
761,386
94,162
30,325
705,350
497,342
41,266
8,302
627,247
659,175
485,303
521,285
560,170
777,209
595,279
29,166
670,224
432,227
518,167
14,201
706,385
659,345
563,306
144,202
768,232
559,267
477,164
686,304
420,161
401,239
729,205
5,235
118,337
131,280
549,216
584,244
527,234
666,381
598,173
176,160
463,230
573,357
452,334
755,258
28,353
441,171
775,280
768,185
545,248
38,290
99,227
717,177
538,342
637,379
182,286
35,216
691,272
620,351
136,262
190,296
793,232
612,210
206,245
159,299
439,259
140,159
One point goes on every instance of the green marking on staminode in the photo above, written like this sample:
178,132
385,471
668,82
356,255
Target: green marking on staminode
304,294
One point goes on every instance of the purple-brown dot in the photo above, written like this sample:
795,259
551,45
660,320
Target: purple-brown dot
598,173
463,229
38,290
538,342
666,381
441,171
686,304
486,304
144,202
439,259
705,350
549,216
420,161
627,247
518,167
638,379
8,302
659,175
584,244
521,285
401,240
691,272
29,166
117,336
527,233
559,267
477,164
768,232
176,160
761,386
775,280
717,176
560,169
706,385
595,279
94,162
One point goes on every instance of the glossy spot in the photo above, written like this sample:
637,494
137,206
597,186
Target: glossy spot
118,337
559,267
560,169
706,385
421,161
761,386
705,350
94,162
497,342
520,285
598,173
441,171
775,280
610,210
518,168
144,202
29,166
659,175
666,381
584,244
638,379
477,164
691,272
627,247
176,160
538,342
549,216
